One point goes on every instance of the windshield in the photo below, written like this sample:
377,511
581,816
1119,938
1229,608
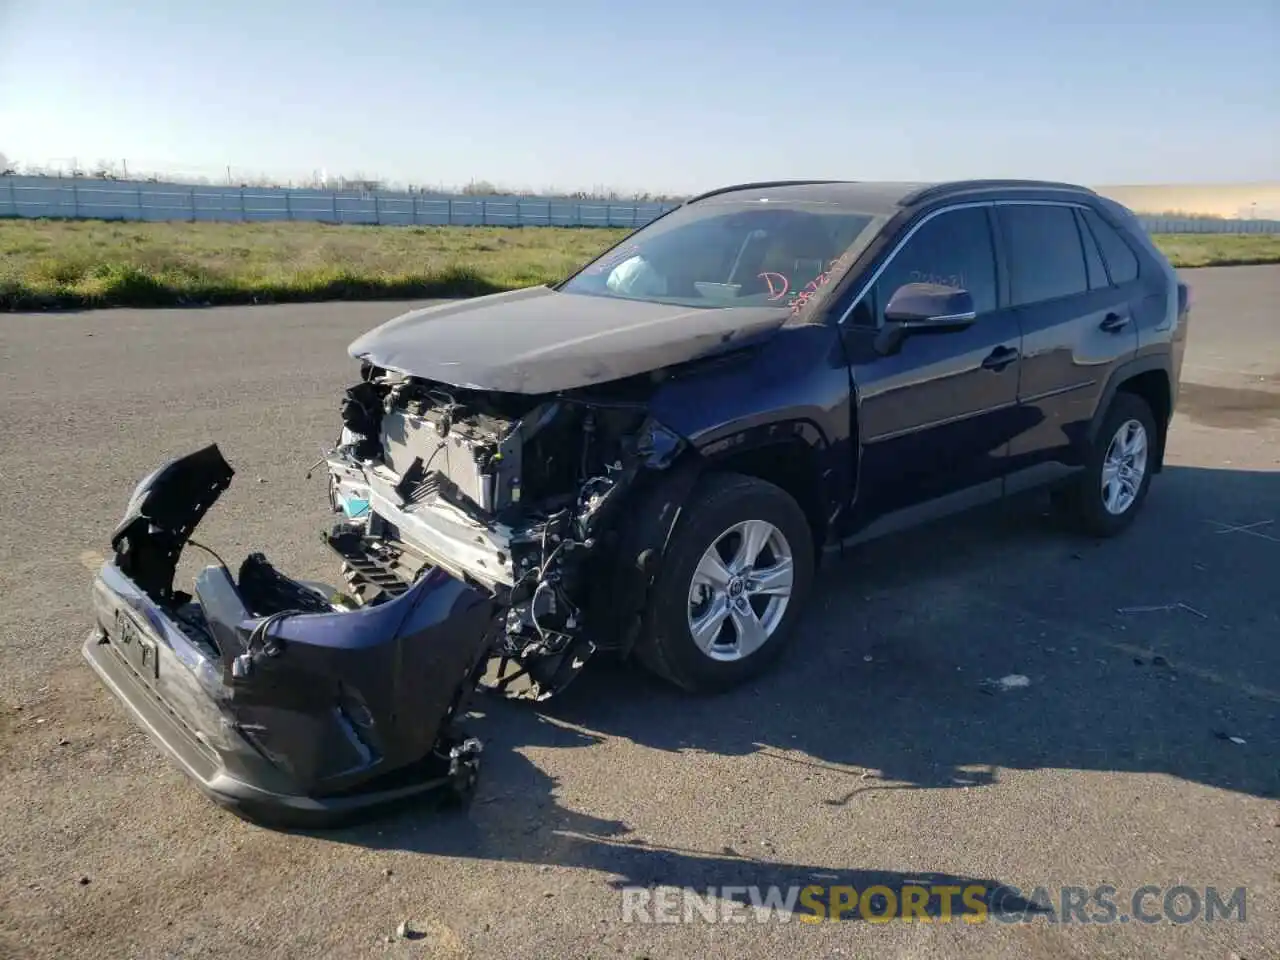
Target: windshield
739,254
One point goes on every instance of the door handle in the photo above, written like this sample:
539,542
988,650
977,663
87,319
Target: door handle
999,358
1114,322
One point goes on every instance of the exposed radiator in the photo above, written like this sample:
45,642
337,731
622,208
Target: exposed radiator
481,466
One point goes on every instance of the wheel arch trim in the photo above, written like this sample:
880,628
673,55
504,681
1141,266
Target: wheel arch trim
1120,376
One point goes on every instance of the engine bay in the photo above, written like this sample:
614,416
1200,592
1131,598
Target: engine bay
509,492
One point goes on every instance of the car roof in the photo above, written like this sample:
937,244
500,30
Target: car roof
876,197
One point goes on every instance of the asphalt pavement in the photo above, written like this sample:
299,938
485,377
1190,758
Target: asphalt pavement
1143,748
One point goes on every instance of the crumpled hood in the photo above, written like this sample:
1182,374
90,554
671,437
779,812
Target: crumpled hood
538,340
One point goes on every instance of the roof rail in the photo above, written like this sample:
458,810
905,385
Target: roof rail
936,190
759,185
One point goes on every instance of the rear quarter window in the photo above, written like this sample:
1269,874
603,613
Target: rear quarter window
1098,279
1122,262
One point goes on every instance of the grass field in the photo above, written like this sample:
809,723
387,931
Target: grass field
65,264
1219,250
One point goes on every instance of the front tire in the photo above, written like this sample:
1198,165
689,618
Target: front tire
1107,496
733,581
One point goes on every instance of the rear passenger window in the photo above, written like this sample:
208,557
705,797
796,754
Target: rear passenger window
1093,260
953,248
1122,262
1045,253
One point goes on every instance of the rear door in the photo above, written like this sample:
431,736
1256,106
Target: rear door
1076,319
936,416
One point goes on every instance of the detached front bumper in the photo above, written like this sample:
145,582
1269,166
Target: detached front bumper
295,718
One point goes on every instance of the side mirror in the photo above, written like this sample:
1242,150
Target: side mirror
930,306
924,308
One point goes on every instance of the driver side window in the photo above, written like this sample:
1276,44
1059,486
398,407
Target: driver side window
954,248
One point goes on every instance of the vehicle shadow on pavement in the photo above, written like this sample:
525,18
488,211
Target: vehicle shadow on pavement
889,683
1147,653
516,818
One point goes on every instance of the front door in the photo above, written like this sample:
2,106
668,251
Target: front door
936,416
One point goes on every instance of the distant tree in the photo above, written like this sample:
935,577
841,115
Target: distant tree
1180,215
361,183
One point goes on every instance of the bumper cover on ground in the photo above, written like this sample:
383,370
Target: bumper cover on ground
294,718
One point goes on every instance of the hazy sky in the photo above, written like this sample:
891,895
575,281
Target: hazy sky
660,95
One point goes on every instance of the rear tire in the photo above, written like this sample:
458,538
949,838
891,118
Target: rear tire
744,607
1107,496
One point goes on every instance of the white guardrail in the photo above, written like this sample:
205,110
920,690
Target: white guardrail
89,199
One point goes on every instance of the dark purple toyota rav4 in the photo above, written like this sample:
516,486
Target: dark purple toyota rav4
647,459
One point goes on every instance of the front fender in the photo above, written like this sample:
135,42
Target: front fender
794,390
795,386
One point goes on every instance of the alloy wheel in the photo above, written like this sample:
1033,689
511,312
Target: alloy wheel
740,590
1123,467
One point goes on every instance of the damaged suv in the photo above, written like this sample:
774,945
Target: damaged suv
648,459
